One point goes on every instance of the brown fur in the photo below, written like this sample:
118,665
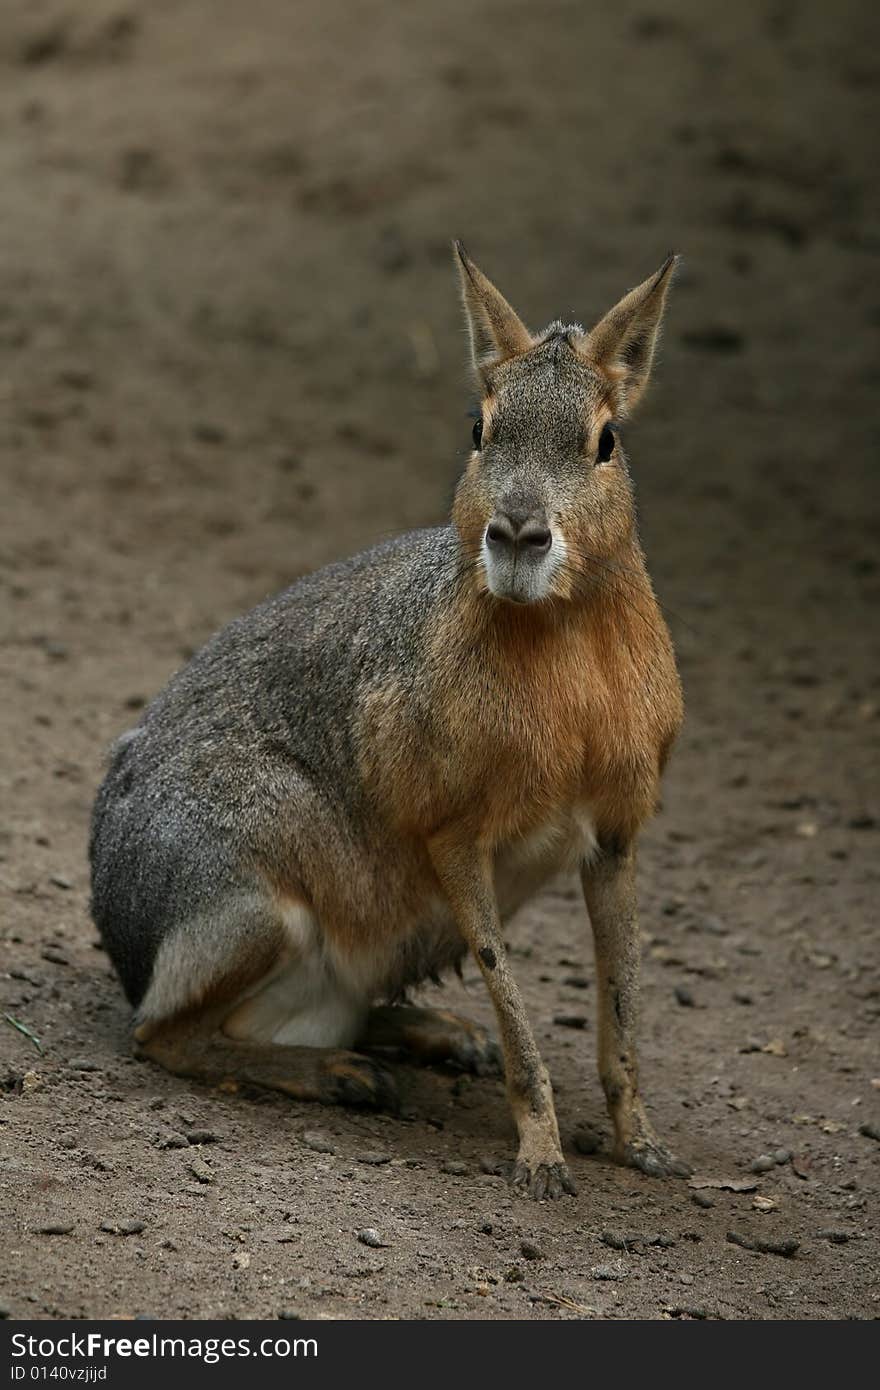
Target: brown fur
569,704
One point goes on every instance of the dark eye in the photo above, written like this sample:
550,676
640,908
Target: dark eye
606,444
478,433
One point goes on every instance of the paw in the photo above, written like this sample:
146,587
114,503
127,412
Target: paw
436,1037
542,1180
652,1157
347,1078
474,1050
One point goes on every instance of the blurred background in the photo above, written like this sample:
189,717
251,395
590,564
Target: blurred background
230,340
231,349
231,343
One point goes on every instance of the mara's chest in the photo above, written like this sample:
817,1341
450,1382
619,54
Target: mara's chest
515,732
542,731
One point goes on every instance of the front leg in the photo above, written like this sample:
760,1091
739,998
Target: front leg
610,894
465,874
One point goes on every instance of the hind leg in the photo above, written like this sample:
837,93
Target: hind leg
431,1036
193,1047
247,996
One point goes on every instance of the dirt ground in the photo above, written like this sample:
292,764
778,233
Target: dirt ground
230,350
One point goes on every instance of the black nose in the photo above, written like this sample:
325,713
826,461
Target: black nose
529,534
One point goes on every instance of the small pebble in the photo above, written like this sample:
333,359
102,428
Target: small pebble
123,1228
169,1139
370,1236
54,1228
608,1272
289,1315
681,1310
202,1136
201,1171
570,1021
29,979
616,1241
374,1159
782,1155
83,1064
57,957
529,1251
60,881
836,1237
870,1131
702,1199
318,1142
487,1228
762,1164
454,1167
684,996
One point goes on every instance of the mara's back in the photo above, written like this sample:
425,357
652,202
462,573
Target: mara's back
281,680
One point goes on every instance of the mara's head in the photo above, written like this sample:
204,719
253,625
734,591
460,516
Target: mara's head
546,497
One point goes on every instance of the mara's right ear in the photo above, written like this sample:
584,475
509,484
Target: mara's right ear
496,330
622,343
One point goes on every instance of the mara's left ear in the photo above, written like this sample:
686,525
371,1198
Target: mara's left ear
496,330
622,343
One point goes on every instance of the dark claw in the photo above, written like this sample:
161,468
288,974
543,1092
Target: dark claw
489,1061
361,1081
480,1055
653,1158
547,1180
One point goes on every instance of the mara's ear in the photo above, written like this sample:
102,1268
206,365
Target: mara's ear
622,343
496,329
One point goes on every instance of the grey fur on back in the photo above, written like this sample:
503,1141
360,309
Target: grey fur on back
260,716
